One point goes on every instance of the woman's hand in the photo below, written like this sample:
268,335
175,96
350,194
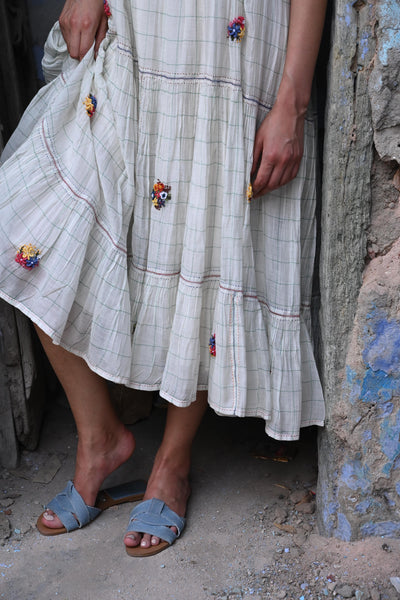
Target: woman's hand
278,149
82,23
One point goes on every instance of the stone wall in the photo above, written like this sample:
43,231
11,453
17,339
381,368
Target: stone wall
359,482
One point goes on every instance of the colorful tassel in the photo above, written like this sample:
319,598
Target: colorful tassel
249,193
107,9
28,256
211,345
160,194
90,103
236,29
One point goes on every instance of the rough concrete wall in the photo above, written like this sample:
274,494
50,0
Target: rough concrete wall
359,488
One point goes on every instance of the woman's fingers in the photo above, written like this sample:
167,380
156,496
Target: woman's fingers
278,150
82,23
274,179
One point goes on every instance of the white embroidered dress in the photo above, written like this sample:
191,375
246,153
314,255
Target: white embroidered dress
139,290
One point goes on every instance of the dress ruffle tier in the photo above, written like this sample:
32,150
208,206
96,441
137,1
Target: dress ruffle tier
136,289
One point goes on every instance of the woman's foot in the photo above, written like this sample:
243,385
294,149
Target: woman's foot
169,482
169,479
95,460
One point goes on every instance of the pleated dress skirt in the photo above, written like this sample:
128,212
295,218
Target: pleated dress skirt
127,231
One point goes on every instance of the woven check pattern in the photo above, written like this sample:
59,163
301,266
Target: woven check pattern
138,291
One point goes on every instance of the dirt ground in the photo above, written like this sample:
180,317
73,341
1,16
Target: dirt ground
250,533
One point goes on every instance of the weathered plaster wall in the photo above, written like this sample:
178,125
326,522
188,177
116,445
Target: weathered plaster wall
359,484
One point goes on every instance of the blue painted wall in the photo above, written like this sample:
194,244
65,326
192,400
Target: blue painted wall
365,499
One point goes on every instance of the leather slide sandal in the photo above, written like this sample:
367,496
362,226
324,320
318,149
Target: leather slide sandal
156,518
75,514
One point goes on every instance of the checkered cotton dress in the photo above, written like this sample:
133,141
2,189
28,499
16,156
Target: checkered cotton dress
129,174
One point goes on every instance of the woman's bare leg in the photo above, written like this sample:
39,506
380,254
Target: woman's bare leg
169,479
103,441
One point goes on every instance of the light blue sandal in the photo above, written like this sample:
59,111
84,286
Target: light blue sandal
73,513
156,518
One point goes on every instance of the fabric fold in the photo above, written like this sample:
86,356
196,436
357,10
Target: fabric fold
129,173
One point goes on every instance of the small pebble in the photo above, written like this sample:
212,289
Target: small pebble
298,496
280,515
375,594
395,581
306,508
300,539
345,590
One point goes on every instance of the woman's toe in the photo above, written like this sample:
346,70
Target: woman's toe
146,541
155,540
50,519
132,539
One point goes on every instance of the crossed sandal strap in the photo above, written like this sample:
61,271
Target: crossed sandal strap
70,508
156,518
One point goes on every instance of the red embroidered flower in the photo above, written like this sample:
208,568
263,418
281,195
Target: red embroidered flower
107,8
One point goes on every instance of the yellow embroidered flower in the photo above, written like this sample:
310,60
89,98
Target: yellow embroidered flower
249,193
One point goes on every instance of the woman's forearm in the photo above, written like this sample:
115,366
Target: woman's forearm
278,146
305,30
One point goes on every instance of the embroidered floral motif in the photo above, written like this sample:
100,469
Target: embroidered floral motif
107,8
249,192
160,194
90,103
28,256
236,29
211,345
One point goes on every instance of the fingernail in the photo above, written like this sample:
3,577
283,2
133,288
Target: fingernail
131,537
154,541
48,516
143,543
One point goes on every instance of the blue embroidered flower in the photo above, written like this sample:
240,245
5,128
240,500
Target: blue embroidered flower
236,29
211,345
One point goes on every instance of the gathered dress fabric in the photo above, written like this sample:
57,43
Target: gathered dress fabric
206,290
